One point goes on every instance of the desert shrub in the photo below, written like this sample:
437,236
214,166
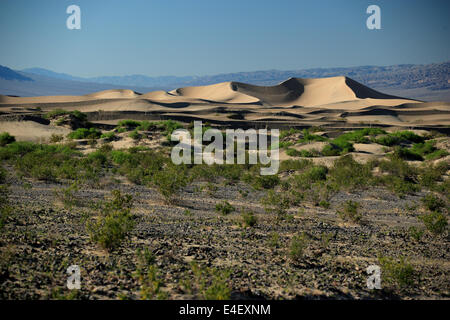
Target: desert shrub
398,273
424,148
360,136
128,124
2,174
430,175
293,152
148,276
248,218
309,137
406,154
276,203
231,172
435,222
120,157
350,212
283,144
265,182
297,247
224,207
433,203
98,156
398,137
408,136
170,180
170,126
114,223
402,178
324,204
304,180
109,136
17,149
274,240
84,133
294,165
207,283
348,174
337,147
302,153
67,195
437,154
287,133
416,233
140,166
135,135
6,138
59,112
330,150
388,140
54,138
5,207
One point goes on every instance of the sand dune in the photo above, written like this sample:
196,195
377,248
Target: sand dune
335,101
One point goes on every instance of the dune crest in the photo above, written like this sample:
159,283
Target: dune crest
335,101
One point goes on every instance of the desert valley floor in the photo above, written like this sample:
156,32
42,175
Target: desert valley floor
88,181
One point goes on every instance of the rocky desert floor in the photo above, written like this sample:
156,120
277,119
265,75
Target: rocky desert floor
189,248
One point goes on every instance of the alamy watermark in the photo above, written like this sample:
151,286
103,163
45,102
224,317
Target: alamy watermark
374,279
74,20
374,20
74,279
191,150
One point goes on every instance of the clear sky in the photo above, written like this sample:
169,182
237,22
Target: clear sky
199,37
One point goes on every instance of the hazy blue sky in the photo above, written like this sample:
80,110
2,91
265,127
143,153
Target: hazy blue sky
198,37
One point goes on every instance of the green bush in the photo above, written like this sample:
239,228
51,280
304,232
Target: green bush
287,133
114,223
308,137
265,182
348,174
248,218
416,233
435,222
436,154
408,136
208,283
360,136
290,165
297,247
6,138
109,136
406,154
170,180
398,137
402,178
224,207
433,203
398,273
59,112
128,124
135,135
350,212
83,133
276,203
388,140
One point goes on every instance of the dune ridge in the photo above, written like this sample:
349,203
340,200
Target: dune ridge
318,101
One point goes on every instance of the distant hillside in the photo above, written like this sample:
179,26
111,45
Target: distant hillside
408,76
51,74
424,82
31,85
9,74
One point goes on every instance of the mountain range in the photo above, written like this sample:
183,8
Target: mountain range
429,82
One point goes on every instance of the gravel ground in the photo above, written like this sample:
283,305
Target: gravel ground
41,239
